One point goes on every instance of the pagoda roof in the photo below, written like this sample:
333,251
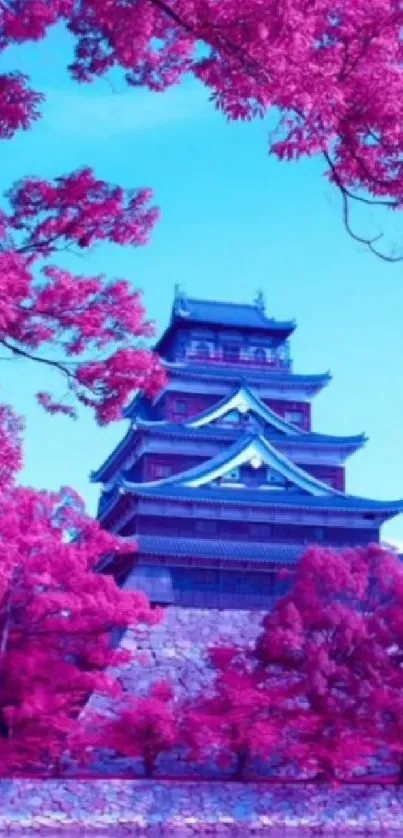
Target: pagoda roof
228,373
199,484
303,491
232,377
188,310
243,400
247,449
158,545
170,430
264,498
202,427
229,434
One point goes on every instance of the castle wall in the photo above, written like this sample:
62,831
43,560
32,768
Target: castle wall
333,475
177,649
143,807
230,531
298,413
179,407
157,465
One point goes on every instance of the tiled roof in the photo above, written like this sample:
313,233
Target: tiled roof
244,450
268,498
232,433
107,466
247,550
174,431
228,314
234,376
244,399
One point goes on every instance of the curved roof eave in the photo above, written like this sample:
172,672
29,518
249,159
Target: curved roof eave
237,376
244,400
242,451
101,473
309,437
251,317
340,502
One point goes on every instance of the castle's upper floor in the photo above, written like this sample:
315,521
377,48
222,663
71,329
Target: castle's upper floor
230,334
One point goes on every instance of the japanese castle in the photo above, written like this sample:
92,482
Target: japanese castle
221,483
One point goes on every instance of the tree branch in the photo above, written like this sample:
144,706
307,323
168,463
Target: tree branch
251,65
16,350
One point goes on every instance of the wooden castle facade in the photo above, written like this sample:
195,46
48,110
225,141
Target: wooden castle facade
221,482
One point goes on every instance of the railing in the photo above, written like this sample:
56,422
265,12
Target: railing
219,360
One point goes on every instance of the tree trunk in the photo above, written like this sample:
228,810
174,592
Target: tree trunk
240,765
325,774
149,766
4,728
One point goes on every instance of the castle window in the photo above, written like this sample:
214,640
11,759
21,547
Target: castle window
294,416
202,350
181,407
181,348
231,352
260,355
160,470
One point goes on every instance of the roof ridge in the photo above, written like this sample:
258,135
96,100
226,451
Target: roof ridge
217,302
227,303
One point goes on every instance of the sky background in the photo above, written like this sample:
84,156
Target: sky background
233,220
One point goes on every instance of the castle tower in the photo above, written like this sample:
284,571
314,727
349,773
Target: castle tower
221,481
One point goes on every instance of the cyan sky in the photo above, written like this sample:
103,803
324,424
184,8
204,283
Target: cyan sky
233,220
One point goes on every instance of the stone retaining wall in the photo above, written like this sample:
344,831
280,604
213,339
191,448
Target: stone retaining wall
157,807
177,648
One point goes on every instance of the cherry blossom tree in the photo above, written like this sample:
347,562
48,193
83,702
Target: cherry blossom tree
335,643
239,721
86,328
332,72
137,727
57,619
330,654
57,615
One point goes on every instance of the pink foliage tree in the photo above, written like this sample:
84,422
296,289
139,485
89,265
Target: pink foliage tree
86,328
333,72
335,643
57,615
141,727
330,654
57,618
238,721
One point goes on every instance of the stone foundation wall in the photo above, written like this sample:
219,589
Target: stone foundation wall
177,648
153,808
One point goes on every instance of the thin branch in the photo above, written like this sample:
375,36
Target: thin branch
368,242
249,62
391,204
16,350
174,16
